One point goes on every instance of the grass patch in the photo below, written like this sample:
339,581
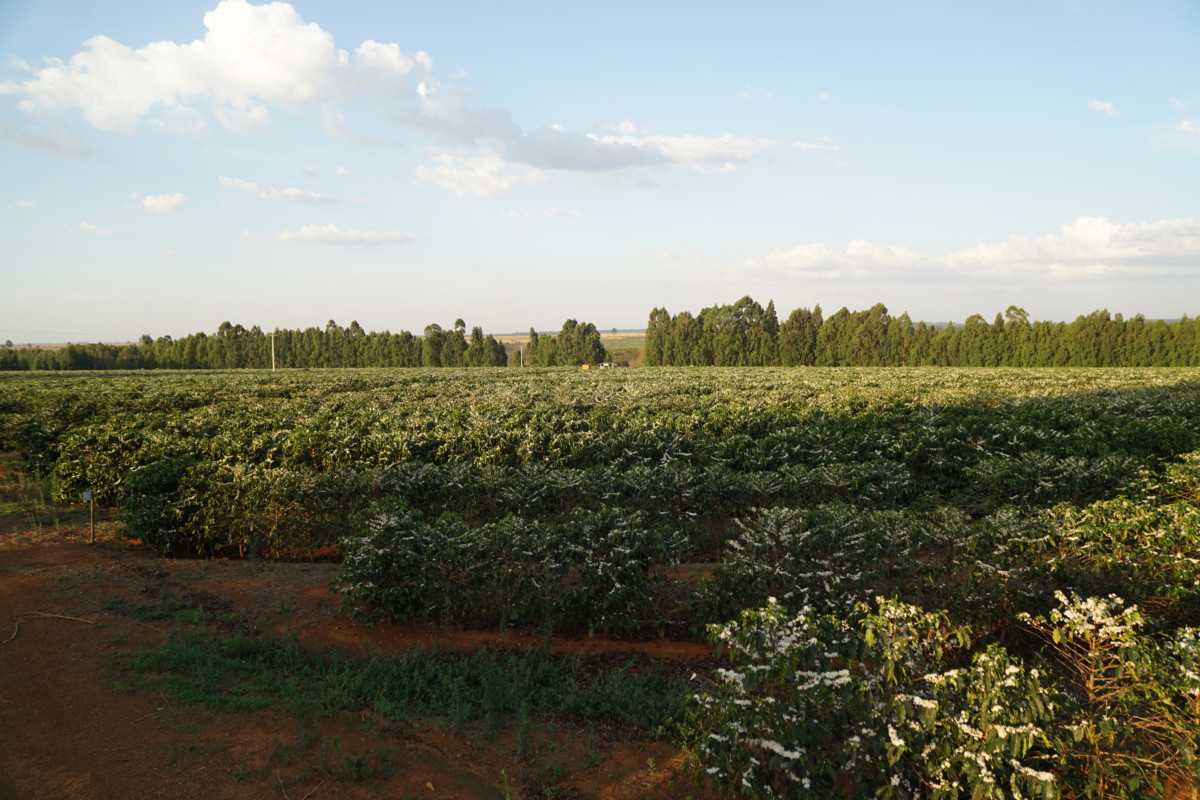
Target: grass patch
239,672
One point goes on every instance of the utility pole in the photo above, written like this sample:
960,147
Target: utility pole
272,351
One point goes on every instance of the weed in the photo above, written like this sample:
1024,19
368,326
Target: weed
281,752
357,766
524,733
549,781
241,671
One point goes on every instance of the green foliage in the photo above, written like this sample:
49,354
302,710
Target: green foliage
576,344
745,334
245,672
888,700
596,571
884,700
640,502
1133,716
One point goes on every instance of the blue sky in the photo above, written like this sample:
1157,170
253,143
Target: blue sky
169,166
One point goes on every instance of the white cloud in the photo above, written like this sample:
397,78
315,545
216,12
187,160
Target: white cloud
694,151
859,259
750,92
1188,128
1179,105
483,173
180,120
331,234
822,95
822,143
163,203
548,148
87,227
1088,248
443,112
239,184
540,213
290,193
1102,107
252,58
624,126
343,171
26,203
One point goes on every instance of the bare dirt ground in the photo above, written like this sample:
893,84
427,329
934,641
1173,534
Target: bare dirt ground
74,725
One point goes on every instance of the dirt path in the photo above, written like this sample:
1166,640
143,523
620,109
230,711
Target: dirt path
73,725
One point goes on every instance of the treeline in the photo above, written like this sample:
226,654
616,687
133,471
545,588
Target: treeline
237,347
746,334
576,343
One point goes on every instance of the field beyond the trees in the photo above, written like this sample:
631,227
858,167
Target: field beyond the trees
901,582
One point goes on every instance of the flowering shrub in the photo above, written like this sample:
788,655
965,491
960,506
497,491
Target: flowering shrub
888,700
884,701
829,556
1132,721
595,571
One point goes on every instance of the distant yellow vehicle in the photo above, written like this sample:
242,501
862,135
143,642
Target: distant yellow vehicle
585,366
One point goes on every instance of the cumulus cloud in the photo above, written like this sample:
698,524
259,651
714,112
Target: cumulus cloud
180,120
255,59
624,126
1089,247
290,193
1179,105
95,230
1102,107
239,184
252,58
331,234
163,203
26,203
822,95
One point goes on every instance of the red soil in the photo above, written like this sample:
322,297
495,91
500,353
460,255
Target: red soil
71,729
